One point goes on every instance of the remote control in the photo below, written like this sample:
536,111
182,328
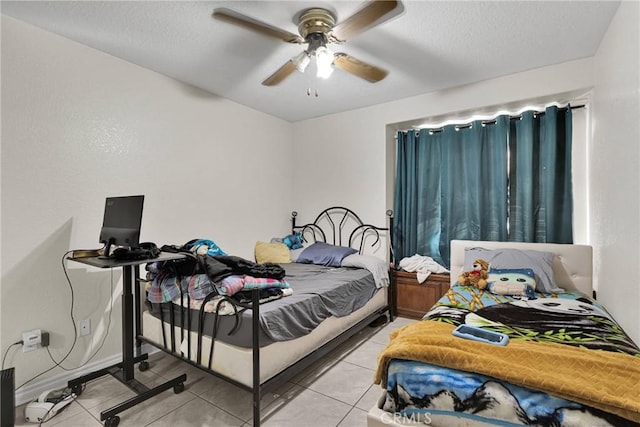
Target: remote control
479,334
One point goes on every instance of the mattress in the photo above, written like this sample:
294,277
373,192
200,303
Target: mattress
567,363
235,361
318,293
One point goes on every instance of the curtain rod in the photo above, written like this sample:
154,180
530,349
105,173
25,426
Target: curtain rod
493,122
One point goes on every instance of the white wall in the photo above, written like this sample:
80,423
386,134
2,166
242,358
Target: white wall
615,177
358,146
79,125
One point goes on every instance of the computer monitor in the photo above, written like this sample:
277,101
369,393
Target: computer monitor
121,223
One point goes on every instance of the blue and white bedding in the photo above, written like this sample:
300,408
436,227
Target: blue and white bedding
421,388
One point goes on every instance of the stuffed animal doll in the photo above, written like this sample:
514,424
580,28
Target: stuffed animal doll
293,241
477,276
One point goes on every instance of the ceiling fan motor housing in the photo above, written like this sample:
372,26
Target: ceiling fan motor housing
316,21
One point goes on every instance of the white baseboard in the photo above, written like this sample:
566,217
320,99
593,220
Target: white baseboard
59,381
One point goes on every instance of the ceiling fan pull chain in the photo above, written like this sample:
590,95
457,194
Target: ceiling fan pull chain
316,93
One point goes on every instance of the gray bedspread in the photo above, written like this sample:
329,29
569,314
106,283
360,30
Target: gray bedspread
318,293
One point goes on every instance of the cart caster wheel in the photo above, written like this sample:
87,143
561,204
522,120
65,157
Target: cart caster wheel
143,366
77,390
178,388
112,422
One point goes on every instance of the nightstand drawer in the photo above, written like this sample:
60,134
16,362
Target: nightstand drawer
414,299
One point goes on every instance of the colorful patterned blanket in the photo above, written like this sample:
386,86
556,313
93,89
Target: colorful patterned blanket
565,347
166,287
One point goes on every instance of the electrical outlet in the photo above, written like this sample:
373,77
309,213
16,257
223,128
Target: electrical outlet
31,340
84,328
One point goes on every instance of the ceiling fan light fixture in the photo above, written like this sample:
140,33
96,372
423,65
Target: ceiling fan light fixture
301,61
324,62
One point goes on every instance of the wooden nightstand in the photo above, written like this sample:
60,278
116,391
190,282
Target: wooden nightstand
414,299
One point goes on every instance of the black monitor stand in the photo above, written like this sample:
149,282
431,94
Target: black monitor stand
131,331
107,249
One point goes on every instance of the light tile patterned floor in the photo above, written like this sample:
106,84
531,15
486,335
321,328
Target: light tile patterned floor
336,392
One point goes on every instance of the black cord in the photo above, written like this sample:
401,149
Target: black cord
104,339
75,329
73,322
7,351
106,334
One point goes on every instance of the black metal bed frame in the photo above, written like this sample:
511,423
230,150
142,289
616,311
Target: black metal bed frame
333,221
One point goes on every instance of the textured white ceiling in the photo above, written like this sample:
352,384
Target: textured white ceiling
431,45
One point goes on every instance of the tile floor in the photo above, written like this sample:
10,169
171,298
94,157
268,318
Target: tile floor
336,392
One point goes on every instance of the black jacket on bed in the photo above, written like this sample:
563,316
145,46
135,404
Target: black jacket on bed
218,267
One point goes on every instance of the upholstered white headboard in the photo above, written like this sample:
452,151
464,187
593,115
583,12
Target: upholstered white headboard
572,264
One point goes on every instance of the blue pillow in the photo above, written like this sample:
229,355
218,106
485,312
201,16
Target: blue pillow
321,253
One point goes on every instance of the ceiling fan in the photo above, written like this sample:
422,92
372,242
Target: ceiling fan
317,28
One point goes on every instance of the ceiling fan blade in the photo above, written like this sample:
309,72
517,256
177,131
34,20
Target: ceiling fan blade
249,23
282,73
369,72
371,13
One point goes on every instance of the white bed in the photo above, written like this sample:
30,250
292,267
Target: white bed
572,268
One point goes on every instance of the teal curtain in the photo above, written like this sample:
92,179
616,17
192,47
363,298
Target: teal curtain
417,195
450,184
502,180
541,200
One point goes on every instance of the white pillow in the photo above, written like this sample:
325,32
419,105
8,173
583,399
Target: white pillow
378,268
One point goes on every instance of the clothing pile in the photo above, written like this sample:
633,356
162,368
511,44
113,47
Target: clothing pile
422,265
208,275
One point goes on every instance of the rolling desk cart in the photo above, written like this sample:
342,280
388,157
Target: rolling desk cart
131,324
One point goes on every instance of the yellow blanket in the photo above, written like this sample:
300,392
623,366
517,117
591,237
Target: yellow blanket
600,379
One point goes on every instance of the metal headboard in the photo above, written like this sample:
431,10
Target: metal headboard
341,226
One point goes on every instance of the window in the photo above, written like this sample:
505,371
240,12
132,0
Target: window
508,179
